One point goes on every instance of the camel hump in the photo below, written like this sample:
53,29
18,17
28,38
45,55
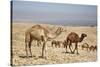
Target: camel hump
37,26
73,34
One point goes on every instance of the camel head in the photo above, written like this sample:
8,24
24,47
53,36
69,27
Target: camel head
55,34
60,30
82,37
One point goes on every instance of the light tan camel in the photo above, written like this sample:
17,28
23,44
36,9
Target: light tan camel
74,38
41,34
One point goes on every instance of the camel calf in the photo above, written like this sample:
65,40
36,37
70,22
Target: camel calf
64,44
85,45
93,48
56,43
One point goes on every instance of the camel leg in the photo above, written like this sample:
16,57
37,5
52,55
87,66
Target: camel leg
89,49
77,48
38,43
66,49
70,48
56,45
70,45
59,45
43,50
65,45
74,49
93,49
30,48
26,49
52,44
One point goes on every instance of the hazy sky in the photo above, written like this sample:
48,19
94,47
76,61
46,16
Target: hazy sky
65,14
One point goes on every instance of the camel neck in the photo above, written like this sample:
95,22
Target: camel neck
81,39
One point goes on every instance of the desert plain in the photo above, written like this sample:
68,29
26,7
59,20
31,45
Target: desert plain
53,55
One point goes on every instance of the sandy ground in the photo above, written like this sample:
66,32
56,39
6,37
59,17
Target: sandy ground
54,55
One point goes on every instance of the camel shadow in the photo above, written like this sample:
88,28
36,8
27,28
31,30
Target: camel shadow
26,56
42,57
39,57
68,52
71,53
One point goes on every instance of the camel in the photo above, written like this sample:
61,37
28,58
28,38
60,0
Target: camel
74,38
93,48
85,45
56,43
40,34
64,43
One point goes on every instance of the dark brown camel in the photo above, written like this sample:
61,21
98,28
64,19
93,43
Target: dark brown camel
85,45
74,38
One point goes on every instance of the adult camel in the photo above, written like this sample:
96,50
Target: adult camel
74,38
40,34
